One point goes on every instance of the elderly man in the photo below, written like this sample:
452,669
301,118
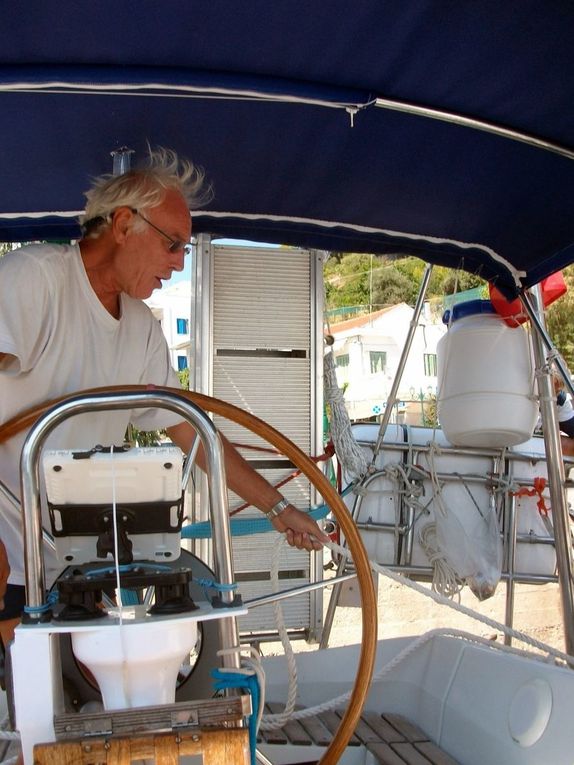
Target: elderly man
72,317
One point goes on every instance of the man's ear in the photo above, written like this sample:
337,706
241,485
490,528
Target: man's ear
122,224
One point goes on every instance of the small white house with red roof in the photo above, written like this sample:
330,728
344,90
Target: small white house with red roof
367,350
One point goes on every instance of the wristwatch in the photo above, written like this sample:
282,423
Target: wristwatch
278,508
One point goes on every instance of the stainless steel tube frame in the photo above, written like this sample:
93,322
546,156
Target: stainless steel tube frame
81,404
538,324
403,360
556,473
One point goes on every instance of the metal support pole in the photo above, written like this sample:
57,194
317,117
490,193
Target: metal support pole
333,603
15,502
336,593
317,311
122,159
556,474
403,360
540,327
510,563
201,355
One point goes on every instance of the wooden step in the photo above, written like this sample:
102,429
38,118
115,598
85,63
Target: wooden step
217,747
391,738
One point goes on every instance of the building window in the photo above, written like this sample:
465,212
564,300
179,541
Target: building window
342,360
378,361
182,326
181,363
430,364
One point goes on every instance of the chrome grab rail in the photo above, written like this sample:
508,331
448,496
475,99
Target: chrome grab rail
215,468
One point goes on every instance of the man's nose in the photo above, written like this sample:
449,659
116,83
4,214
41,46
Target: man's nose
177,260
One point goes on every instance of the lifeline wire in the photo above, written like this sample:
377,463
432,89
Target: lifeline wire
426,637
442,600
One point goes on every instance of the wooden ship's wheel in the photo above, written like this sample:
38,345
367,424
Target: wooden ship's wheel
220,746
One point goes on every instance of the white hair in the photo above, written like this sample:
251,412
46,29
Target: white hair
143,187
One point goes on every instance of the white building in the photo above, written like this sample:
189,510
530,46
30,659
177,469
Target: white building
172,306
367,351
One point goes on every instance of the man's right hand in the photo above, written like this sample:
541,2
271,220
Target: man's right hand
4,573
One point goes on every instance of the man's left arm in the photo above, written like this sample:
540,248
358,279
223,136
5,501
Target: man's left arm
299,528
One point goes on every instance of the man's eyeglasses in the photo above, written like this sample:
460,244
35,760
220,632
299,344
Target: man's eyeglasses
175,245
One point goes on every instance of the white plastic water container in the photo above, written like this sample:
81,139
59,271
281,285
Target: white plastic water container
462,491
485,395
381,502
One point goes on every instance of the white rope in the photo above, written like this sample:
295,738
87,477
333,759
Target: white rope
444,578
271,722
251,665
349,453
410,649
411,491
442,600
433,450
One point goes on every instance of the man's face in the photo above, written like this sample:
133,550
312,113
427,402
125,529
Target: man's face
148,260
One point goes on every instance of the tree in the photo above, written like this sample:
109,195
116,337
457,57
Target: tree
154,437
559,320
5,247
460,281
347,281
183,375
391,286
373,281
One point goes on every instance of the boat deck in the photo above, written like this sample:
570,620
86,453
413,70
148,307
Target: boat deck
391,739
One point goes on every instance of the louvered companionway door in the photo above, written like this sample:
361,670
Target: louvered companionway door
258,340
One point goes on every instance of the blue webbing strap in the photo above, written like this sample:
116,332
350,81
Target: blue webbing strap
225,679
239,527
243,526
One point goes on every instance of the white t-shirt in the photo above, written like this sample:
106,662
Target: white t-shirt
65,341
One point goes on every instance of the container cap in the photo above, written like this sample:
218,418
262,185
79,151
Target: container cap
469,308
